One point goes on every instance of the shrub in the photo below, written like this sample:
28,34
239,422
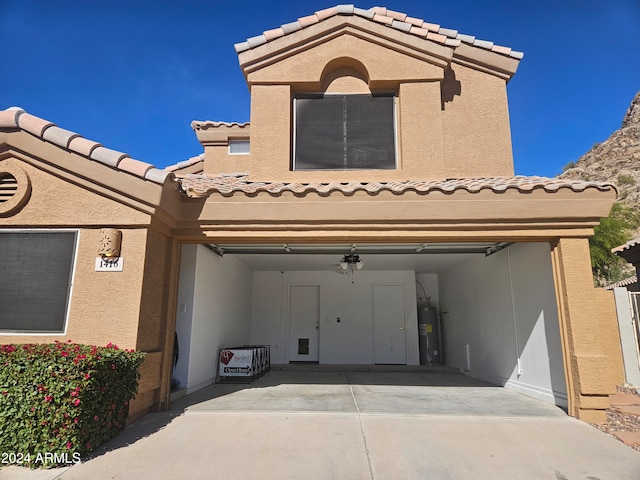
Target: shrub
568,166
614,230
59,401
624,179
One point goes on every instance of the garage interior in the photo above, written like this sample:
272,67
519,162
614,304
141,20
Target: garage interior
495,305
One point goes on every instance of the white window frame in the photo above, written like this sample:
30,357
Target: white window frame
238,141
17,333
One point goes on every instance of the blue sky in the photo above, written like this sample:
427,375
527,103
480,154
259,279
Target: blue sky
132,75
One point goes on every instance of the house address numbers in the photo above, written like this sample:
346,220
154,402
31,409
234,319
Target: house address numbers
114,264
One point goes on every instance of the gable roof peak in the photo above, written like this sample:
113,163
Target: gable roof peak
381,15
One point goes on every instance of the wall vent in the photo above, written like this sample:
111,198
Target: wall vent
8,186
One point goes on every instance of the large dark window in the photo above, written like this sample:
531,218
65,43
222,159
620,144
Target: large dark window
344,132
35,280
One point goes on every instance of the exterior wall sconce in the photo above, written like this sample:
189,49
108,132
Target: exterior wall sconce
110,242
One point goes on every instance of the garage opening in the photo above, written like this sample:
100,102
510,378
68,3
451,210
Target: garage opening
486,309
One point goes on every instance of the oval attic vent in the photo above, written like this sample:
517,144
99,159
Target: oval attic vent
8,186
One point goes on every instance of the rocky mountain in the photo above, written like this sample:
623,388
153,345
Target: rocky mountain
615,160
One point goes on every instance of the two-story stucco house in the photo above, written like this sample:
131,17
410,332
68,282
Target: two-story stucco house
376,176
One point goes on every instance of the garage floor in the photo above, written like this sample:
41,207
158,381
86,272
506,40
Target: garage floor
355,425
367,392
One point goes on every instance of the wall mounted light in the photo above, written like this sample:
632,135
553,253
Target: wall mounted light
110,242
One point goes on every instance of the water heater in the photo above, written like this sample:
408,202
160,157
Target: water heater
429,336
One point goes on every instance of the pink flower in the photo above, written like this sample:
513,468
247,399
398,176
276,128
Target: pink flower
64,353
69,445
76,402
48,398
87,376
74,394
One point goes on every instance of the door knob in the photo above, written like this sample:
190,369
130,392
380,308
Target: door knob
401,328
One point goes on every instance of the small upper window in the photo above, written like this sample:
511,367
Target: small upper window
35,284
239,147
344,132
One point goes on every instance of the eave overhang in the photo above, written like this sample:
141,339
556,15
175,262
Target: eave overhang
518,208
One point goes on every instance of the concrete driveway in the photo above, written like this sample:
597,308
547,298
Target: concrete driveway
356,425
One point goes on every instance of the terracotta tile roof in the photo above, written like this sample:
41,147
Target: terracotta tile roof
207,124
397,20
15,118
630,244
203,185
623,283
186,163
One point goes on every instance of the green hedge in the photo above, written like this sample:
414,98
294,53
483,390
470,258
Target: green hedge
59,401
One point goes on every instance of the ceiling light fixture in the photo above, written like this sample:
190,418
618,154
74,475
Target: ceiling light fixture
350,263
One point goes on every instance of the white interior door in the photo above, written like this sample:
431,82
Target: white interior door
304,322
389,325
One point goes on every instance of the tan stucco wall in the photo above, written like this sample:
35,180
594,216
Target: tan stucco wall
54,201
305,67
475,126
448,126
589,332
128,308
271,121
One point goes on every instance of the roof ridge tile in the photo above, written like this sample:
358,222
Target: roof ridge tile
361,12
384,16
9,117
348,9
326,13
291,27
185,163
402,26
17,118
156,175
448,32
273,34
83,146
59,136
137,167
32,124
107,156
378,17
308,20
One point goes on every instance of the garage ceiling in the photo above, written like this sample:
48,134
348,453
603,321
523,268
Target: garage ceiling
420,257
